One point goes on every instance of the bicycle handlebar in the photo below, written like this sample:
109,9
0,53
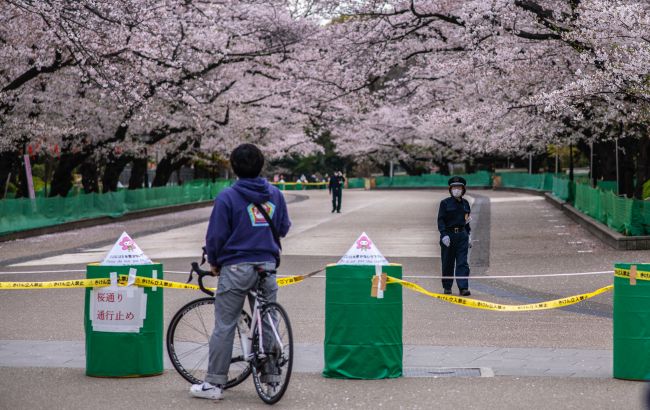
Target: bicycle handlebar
201,274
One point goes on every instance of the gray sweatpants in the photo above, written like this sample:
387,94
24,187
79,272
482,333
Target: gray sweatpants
234,283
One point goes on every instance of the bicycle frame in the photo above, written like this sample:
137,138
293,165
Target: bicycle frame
256,323
269,363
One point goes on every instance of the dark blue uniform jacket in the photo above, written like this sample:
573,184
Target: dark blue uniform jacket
452,214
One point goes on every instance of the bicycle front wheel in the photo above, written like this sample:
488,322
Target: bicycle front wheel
188,340
272,373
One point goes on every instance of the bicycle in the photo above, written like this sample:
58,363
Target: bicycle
270,363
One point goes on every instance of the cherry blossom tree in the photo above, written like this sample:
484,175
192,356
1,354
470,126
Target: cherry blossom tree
413,81
166,74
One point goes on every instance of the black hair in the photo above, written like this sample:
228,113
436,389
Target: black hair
247,161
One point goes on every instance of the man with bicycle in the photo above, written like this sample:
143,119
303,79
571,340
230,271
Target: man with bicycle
243,236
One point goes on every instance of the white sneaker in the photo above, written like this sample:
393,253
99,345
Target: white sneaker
206,391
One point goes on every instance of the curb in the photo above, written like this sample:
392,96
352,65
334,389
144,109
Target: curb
603,232
519,190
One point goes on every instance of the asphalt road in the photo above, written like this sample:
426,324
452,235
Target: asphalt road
515,235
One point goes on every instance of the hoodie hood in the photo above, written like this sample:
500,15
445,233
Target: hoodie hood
256,190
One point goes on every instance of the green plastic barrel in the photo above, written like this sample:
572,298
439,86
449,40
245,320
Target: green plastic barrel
363,335
124,327
632,326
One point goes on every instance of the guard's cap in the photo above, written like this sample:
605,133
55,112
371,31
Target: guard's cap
457,181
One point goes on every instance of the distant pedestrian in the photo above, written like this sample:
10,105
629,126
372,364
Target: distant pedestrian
335,187
453,224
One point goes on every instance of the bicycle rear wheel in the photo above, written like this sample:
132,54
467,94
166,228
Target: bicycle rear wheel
271,375
188,339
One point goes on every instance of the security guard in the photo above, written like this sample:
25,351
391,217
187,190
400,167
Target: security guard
453,224
335,186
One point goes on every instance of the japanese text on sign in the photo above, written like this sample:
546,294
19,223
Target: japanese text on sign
118,309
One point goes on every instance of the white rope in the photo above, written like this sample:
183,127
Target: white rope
549,275
502,276
518,276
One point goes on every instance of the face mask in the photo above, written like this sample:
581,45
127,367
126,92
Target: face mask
457,193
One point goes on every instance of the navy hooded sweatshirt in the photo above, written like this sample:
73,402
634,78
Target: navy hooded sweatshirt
238,232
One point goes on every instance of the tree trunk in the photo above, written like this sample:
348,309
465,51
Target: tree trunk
642,166
172,162
9,168
89,177
22,191
163,172
385,168
626,166
166,167
571,162
411,168
604,161
112,172
443,168
138,173
62,180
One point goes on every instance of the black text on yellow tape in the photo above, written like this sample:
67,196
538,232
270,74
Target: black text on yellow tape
480,304
57,284
122,281
625,273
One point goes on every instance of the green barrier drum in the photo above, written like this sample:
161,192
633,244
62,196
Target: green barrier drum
363,335
111,349
632,327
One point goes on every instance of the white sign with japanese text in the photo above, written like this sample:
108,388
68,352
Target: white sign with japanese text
126,252
363,252
118,309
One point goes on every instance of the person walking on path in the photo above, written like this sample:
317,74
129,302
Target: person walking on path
239,241
453,224
336,189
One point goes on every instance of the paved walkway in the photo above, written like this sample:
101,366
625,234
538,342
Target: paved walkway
309,358
560,358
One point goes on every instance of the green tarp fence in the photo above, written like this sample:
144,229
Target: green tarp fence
356,183
561,188
21,214
538,182
478,179
298,186
607,185
625,215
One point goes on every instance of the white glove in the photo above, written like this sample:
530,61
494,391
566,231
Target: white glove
446,241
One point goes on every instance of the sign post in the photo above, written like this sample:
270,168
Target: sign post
28,175
124,324
363,316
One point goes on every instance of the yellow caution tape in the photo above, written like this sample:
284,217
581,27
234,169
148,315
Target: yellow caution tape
57,284
122,281
625,273
290,280
480,304
161,283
